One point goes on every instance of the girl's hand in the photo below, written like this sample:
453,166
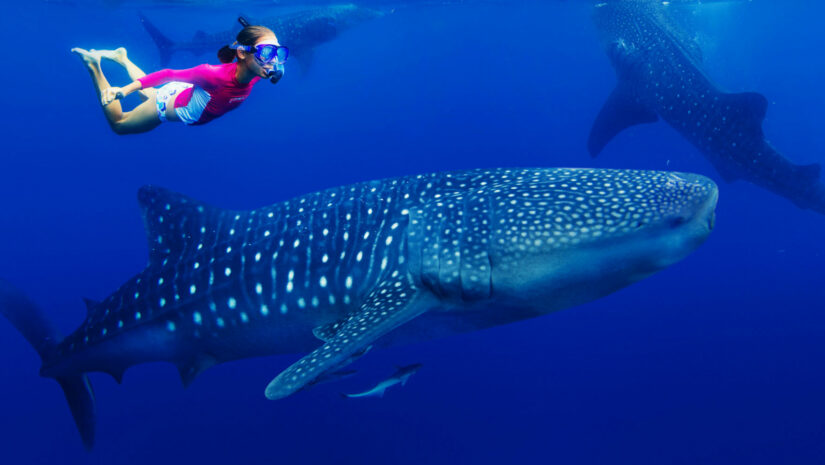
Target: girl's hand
109,95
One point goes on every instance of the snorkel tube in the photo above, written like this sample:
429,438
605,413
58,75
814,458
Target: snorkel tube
275,74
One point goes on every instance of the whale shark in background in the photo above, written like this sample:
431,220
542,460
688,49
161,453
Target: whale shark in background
335,272
301,31
659,76
401,375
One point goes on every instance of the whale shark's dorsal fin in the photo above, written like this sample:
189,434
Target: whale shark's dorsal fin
175,224
749,107
391,304
621,111
809,173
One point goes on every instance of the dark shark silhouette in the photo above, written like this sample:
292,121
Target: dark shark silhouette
301,31
659,76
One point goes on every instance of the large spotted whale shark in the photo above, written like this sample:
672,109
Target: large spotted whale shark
659,76
335,272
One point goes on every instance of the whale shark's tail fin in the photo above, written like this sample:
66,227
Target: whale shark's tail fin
165,45
44,337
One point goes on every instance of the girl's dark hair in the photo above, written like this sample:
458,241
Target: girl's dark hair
248,36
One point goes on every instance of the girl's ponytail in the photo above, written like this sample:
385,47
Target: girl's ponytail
226,54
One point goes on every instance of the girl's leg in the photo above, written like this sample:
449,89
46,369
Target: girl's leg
141,119
120,57
113,111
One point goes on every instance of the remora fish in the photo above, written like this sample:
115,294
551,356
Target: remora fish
301,31
659,75
401,376
337,271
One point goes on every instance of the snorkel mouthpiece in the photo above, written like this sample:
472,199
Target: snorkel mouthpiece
275,74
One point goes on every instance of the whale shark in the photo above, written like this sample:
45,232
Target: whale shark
336,272
300,30
401,375
659,75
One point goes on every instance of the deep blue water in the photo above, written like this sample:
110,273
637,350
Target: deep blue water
717,359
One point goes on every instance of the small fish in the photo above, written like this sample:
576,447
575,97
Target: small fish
399,377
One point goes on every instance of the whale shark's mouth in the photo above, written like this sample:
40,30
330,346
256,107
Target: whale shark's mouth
710,209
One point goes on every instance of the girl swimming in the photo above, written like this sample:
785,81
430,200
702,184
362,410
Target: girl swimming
192,96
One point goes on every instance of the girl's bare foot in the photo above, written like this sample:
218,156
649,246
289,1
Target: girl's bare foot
91,58
117,55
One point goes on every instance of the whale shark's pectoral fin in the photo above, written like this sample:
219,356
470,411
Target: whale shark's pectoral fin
809,173
746,109
388,306
621,110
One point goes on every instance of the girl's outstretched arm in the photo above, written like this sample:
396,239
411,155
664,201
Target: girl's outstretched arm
203,76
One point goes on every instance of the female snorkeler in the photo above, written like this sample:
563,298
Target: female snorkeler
193,96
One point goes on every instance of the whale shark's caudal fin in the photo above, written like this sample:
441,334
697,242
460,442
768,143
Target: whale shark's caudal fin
44,337
621,111
165,45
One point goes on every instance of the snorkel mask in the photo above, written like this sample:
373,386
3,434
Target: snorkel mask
266,54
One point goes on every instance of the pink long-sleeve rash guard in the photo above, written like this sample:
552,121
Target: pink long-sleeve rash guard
221,91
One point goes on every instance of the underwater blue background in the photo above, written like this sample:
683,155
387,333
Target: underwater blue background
718,359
